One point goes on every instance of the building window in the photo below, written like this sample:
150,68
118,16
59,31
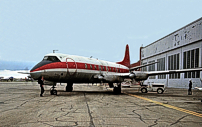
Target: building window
152,68
161,67
144,68
191,60
174,64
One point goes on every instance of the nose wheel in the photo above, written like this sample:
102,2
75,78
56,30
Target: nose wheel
53,91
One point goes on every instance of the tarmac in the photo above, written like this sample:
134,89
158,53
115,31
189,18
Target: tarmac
97,106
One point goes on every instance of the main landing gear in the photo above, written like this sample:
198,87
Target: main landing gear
117,90
69,87
53,91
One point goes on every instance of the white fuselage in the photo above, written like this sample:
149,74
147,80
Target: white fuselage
71,68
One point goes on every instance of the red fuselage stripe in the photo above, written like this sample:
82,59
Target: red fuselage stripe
87,66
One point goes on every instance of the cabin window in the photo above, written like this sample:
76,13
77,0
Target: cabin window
95,67
91,66
103,68
86,66
100,67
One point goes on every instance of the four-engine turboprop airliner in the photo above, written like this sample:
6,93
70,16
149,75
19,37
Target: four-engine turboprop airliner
62,68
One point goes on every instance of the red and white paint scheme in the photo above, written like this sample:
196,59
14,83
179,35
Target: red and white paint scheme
62,68
71,69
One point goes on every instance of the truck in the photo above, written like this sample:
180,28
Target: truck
153,87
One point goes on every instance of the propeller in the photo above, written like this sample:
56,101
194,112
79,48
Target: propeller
29,77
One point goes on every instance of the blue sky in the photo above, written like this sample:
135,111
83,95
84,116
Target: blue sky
29,29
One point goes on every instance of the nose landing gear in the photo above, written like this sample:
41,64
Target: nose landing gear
53,91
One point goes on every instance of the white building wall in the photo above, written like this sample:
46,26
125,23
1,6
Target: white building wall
184,39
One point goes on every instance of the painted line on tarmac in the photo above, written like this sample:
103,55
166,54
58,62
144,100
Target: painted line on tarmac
168,106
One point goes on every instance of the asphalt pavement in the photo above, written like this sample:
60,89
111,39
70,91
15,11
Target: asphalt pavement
96,106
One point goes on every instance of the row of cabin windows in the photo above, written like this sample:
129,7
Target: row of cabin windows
103,68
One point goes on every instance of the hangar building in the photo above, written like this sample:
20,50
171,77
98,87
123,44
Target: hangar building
181,49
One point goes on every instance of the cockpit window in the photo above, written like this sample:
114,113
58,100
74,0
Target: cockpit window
51,58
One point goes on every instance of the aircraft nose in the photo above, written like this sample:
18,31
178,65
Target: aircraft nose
36,71
35,74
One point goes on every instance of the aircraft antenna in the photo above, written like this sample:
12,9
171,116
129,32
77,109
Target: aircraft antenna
54,51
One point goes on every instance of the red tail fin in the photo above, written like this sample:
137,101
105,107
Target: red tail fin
126,60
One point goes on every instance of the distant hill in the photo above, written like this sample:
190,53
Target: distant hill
16,65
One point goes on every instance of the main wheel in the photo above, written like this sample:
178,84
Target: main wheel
111,85
144,90
117,90
160,91
69,87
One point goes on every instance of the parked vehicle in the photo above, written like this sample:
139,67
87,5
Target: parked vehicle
153,87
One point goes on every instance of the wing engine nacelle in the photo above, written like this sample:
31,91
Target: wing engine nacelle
109,78
49,83
138,76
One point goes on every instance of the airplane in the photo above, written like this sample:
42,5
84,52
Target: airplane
198,88
63,68
7,79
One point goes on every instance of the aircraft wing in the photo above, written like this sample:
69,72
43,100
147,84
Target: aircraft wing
198,88
140,75
137,67
172,71
24,72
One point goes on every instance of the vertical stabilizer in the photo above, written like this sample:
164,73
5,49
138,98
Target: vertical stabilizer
126,60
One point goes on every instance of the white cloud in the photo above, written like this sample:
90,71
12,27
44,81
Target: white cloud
15,74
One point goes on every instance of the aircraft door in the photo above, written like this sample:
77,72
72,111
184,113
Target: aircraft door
71,66
101,67
106,68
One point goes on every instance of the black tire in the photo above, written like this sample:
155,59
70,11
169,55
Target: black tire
111,85
69,89
117,90
144,90
53,92
160,91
